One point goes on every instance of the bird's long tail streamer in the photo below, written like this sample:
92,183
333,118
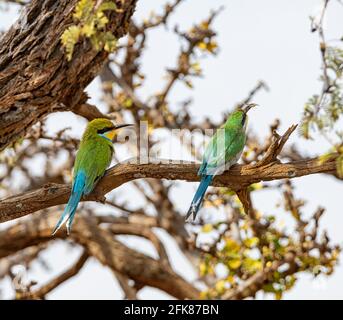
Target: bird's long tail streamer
69,211
199,196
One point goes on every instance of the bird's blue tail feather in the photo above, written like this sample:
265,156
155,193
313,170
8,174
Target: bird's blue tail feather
69,211
199,196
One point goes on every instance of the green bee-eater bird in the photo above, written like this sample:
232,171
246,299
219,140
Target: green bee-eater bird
92,159
223,151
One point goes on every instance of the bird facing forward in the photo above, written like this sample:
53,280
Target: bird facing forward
92,159
223,151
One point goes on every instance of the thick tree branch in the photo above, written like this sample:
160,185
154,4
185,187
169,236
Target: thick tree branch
35,76
236,178
88,111
102,245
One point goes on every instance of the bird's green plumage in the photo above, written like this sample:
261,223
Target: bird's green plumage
95,153
92,159
226,145
223,150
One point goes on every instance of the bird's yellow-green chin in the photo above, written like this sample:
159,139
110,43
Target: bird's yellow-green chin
110,134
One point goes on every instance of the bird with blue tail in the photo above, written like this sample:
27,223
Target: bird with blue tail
223,151
92,159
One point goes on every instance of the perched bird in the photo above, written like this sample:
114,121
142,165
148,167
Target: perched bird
92,159
223,151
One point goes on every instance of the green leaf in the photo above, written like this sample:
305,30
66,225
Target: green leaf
231,246
234,263
108,5
88,30
325,157
91,24
69,39
95,42
83,10
252,265
251,242
110,42
101,20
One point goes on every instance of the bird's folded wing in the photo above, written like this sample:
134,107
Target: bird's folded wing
223,151
94,161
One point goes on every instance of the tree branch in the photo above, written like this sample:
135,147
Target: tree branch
252,285
88,111
51,285
129,291
102,245
141,231
25,257
236,178
35,76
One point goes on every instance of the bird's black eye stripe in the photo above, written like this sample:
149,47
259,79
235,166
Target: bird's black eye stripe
103,130
244,118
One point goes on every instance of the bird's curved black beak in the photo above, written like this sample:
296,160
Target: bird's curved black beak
123,126
249,106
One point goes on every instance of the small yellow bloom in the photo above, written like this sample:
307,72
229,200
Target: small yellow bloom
207,228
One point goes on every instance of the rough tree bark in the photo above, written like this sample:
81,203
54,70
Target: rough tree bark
35,77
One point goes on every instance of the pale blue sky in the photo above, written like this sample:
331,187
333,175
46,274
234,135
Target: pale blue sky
264,39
